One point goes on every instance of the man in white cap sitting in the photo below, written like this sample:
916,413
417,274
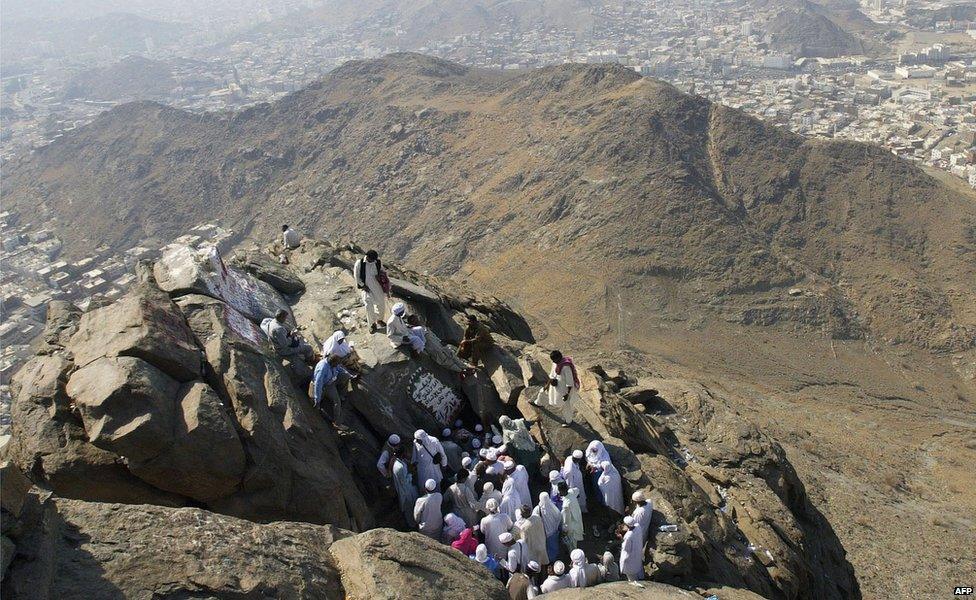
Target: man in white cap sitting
557,580
427,512
517,557
632,553
386,456
493,526
642,513
400,333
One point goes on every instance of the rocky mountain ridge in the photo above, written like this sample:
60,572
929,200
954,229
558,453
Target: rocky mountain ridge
684,210
179,407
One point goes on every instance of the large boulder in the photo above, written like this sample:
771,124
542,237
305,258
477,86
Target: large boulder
295,468
264,267
70,549
205,459
144,324
127,405
182,270
625,591
382,563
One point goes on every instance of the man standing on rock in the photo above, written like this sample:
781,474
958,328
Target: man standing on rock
367,272
429,456
563,386
326,379
632,553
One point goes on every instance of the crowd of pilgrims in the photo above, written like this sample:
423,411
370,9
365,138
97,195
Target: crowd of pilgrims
470,489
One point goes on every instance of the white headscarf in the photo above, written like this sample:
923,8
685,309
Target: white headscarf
509,489
578,573
596,454
336,344
551,517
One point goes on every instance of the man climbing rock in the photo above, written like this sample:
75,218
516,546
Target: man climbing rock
368,273
477,342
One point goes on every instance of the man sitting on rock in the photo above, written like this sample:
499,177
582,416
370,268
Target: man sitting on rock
326,380
400,333
287,342
477,342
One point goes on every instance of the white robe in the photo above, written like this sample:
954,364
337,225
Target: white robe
427,513
405,490
511,501
521,478
534,536
642,514
373,297
556,582
552,519
632,555
596,453
612,489
574,478
486,496
423,456
564,384
493,526
572,520
517,557
577,575
464,504
452,528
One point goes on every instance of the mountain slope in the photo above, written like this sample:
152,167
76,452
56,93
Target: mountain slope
681,208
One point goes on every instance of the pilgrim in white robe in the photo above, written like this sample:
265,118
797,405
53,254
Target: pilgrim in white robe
453,526
492,526
574,479
521,478
564,405
424,451
489,493
463,502
632,555
611,487
572,519
405,490
642,515
552,521
556,582
427,513
511,500
517,559
533,533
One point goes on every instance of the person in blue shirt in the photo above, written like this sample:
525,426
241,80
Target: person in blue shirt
325,382
481,555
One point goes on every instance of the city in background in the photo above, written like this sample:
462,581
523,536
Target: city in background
899,74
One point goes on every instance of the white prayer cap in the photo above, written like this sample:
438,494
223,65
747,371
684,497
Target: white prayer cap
629,521
577,454
394,439
492,454
458,423
638,496
553,475
488,488
534,566
481,553
497,440
399,308
476,443
607,556
577,556
483,453
430,485
479,428
558,567
446,433
506,538
419,434
509,465
466,462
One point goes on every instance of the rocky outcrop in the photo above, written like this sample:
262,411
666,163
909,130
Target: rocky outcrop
175,398
383,563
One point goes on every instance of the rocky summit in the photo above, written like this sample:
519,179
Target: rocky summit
161,448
